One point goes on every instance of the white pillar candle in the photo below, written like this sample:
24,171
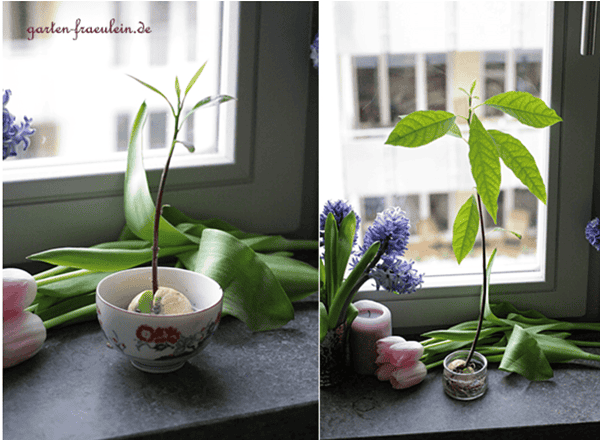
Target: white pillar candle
374,322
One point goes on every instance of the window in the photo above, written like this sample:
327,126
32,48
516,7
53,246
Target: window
428,182
96,64
275,96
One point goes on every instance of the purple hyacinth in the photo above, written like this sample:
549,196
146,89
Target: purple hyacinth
314,51
396,275
339,209
393,225
13,134
592,233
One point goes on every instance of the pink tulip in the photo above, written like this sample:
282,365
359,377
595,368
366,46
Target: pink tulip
399,363
384,344
401,354
407,377
24,336
19,290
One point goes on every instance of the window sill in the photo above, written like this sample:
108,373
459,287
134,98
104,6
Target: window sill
513,407
242,382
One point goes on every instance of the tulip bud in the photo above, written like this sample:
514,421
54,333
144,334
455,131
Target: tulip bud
24,336
401,354
19,290
409,376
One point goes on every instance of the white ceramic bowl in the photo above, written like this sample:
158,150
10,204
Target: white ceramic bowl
158,343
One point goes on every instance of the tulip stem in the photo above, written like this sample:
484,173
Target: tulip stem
78,315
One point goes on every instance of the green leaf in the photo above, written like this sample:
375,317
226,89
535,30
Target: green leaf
516,234
73,286
99,259
139,207
145,301
485,165
194,78
525,107
297,278
455,131
420,128
516,157
342,295
466,226
473,87
178,91
323,321
65,306
251,291
345,243
463,335
524,356
330,255
207,102
351,314
154,89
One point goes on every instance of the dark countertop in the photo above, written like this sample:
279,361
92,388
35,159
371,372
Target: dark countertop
567,406
243,385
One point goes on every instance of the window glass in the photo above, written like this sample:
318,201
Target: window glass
495,79
436,81
69,63
430,183
367,85
402,85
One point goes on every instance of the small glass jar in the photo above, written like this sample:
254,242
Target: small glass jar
467,385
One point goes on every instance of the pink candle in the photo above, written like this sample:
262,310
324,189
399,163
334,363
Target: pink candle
374,322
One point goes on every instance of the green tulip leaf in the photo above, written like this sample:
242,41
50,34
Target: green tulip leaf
251,291
73,286
524,356
526,108
420,128
297,278
99,259
466,226
139,207
516,157
485,166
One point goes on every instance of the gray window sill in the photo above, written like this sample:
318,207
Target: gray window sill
262,385
513,407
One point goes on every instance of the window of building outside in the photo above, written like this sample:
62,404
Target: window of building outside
158,40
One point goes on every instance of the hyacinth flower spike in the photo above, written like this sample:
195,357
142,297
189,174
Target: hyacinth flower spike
379,258
13,134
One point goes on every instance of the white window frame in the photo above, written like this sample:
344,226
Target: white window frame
271,110
570,286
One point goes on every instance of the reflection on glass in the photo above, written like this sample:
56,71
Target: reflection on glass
529,71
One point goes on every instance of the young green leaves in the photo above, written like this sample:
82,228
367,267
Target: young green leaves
524,107
486,149
466,226
420,128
